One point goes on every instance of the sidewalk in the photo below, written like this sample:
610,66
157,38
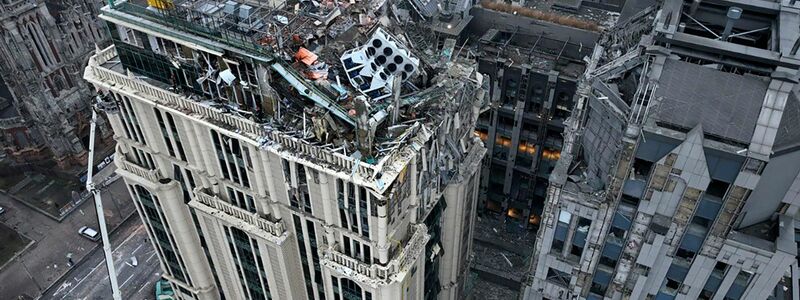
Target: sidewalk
43,263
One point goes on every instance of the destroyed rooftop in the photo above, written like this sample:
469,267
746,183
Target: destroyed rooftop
699,82
318,48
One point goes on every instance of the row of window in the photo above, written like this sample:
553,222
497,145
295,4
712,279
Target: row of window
231,79
160,232
312,259
234,158
172,139
354,207
249,265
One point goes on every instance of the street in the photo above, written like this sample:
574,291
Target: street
89,280
45,266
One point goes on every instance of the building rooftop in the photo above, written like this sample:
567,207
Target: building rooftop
535,51
356,87
726,104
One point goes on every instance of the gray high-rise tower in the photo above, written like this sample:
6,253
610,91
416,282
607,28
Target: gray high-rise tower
679,173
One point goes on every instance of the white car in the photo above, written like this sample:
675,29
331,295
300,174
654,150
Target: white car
2,210
89,233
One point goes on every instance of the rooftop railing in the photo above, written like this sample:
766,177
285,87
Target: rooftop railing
187,20
97,73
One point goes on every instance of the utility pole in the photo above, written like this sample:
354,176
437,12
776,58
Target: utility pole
98,204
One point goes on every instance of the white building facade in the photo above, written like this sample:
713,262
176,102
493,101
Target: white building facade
237,209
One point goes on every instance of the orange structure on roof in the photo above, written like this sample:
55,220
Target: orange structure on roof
306,56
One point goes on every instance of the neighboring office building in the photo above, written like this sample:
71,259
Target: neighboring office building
533,81
255,182
679,173
44,103
533,56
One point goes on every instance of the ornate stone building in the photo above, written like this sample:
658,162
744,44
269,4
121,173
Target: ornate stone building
44,103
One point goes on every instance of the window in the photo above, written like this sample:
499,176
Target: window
560,236
160,229
351,290
231,160
241,199
600,282
176,137
558,277
249,265
739,285
164,132
129,115
579,237
301,246
714,280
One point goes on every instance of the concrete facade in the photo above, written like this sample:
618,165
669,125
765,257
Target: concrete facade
246,209
44,103
531,91
678,175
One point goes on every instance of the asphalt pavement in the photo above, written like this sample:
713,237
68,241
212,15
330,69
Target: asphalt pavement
89,279
41,268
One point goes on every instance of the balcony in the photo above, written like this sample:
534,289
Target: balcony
148,174
273,231
375,274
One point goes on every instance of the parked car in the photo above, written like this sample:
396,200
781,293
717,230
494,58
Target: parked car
89,233
2,210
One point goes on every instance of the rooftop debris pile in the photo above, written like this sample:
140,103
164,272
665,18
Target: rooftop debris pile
547,16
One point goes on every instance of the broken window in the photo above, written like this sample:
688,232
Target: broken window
600,282
714,281
717,189
558,277
560,237
641,169
739,285
579,237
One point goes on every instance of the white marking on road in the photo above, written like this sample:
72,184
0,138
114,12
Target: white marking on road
100,264
137,248
144,285
126,281
151,256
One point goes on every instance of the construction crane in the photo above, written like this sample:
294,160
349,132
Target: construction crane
98,202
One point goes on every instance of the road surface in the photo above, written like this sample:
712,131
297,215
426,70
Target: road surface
45,261
89,280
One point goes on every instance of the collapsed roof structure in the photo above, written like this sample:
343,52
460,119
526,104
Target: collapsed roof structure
323,116
280,67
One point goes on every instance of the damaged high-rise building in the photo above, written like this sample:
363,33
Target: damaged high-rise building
44,103
532,82
679,173
272,159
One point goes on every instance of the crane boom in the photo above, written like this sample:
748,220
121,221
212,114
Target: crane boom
101,218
